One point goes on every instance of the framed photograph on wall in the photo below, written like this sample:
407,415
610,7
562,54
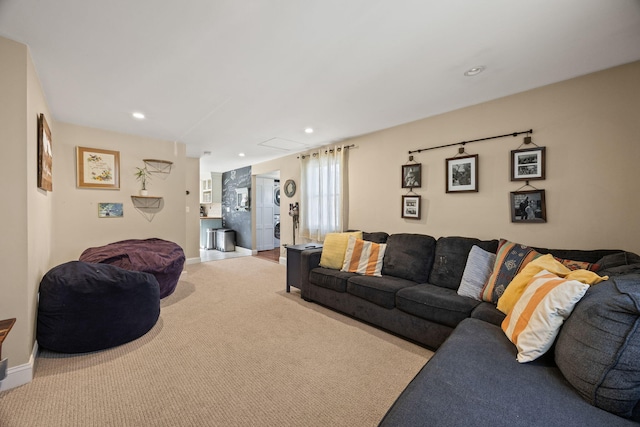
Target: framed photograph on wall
528,206
412,175
527,164
411,207
110,210
97,168
462,174
45,155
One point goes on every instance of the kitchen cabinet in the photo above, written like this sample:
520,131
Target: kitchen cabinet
205,191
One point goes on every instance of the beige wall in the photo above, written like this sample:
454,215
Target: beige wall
25,220
76,224
589,126
192,247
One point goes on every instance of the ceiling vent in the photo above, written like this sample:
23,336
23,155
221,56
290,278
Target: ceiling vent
283,144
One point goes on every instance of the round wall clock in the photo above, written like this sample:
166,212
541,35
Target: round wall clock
290,188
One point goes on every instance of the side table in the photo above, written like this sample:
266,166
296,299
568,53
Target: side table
293,263
5,327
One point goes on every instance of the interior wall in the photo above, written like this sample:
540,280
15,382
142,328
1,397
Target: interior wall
76,224
233,218
13,184
589,126
192,247
25,222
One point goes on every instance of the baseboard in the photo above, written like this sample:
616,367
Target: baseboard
195,260
283,260
21,374
246,251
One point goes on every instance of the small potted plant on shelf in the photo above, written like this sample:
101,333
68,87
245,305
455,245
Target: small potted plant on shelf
143,175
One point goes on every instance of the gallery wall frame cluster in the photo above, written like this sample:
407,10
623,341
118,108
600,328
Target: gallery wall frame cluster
462,176
99,169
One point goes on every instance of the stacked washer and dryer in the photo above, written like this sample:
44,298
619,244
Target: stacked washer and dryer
276,214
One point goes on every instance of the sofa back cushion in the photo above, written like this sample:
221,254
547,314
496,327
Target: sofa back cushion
590,256
409,256
451,258
598,346
375,237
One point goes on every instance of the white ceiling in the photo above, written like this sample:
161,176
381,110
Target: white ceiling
227,76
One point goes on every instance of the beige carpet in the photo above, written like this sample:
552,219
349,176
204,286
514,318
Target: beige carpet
231,348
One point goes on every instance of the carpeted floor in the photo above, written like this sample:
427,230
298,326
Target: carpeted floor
231,348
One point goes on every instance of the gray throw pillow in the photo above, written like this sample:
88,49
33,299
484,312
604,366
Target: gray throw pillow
598,346
476,272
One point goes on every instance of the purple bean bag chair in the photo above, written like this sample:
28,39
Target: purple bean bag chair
87,307
159,257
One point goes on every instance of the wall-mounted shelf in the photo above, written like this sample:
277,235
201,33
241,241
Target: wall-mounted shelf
162,167
148,206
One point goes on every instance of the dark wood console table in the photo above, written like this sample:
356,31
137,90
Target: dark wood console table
5,327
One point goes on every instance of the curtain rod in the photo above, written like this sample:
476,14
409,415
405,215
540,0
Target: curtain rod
514,134
346,147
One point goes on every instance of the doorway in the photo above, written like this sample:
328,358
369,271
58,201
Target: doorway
268,211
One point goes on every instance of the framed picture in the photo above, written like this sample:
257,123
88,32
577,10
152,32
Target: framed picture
462,174
110,210
411,207
45,155
412,175
97,168
528,206
527,164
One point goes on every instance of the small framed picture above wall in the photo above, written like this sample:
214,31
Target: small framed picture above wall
412,175
528,206
462,174
527,164
110,210
411,207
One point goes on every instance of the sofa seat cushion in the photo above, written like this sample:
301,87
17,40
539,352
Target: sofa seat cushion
440,305
474,380
451,258
409,256
378,290
329,278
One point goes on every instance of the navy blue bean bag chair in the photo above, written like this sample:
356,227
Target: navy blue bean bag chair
162,258
87,307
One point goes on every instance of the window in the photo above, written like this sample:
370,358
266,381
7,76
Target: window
323,193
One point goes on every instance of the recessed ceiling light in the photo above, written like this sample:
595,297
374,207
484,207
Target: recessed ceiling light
474,71
241,154
308,130
138,115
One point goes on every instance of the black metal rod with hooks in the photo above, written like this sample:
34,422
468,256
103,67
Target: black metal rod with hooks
514,134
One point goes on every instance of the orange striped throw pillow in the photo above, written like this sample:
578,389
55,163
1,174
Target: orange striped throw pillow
364,257
534,322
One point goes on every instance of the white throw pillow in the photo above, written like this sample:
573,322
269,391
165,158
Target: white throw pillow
535,320
476,272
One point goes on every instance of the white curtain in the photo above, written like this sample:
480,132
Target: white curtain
323,194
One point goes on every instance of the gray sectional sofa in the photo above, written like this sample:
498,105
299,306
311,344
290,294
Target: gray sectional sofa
474,378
